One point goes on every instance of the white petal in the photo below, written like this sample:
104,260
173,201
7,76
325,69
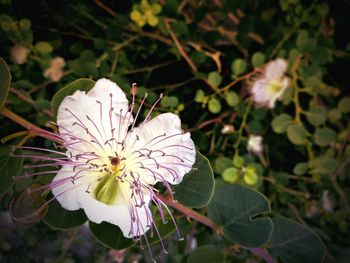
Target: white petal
168,153
102,90
276,69
279,94
259,91
255,143
88,121
119,215
65,191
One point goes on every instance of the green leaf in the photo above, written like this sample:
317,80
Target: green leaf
60,218
221,163
324,136
316,115
43,47
164,230
232,98
206,254
319,55
235,208
258,59
25,24
9,167
214,79
292,242
110,235
214,105
281,122
344,105
296,134
238,161
300,168
230,174
334,115
197,187
79,84
255,127
199,96
324,164
5,80
169,101
250,176
238,66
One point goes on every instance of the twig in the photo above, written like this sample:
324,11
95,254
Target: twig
30,126
105,8
29,100
179,46
191,213
208,122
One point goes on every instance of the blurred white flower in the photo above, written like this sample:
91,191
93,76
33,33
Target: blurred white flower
271,85
55,71
255,144
327,201
228,129
19,54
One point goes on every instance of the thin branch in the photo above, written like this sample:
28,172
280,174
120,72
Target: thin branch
179,46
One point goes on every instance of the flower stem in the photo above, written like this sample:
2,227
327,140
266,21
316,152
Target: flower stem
261,252
35,130
234,82
297,106
190,213
243,124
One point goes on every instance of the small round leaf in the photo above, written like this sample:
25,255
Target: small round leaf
214,105
281,122
296,134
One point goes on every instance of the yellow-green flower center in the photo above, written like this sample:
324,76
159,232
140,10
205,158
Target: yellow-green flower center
274,86
106,189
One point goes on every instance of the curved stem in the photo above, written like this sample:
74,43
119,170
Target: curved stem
190,213
30,126
243,124
261,252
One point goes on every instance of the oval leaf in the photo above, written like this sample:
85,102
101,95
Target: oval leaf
110,235
60,218
5,80
316,115
294,243
296,134
234,208
79,84
9,167
325,136
281,122
197,187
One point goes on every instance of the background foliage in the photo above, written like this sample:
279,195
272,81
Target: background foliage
202,55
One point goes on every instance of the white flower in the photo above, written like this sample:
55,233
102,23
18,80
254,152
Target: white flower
228,129
255,144
272,84
55,71
19,54
110,166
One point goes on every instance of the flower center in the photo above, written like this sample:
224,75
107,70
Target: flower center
274,86
115,161
106,189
